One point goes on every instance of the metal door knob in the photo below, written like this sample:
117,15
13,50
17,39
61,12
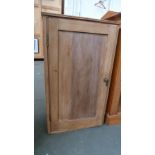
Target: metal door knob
106,81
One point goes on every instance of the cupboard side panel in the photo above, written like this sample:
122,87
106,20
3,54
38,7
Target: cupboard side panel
46,75
115,88
53,70
108,66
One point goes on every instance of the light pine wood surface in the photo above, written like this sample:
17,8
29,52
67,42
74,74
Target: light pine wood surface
79,58
48,6
52,6
113,114
38,29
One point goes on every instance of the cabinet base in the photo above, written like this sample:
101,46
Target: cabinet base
113,119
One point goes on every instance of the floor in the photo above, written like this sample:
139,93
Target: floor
104,140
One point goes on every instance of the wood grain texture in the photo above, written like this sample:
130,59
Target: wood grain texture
77,18
38,29
36,2
113,115
53,69
37,23
112,16
78,26
46,73
114,100
62,6
45,6
78,62
115,89
113,119
52,6
78,73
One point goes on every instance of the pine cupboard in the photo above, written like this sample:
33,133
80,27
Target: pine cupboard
38,34
79,55
51,6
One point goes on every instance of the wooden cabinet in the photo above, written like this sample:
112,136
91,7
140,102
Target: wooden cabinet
38,34
113,114
79,56
52,6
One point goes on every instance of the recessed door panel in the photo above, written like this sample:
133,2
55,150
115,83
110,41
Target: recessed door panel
79,66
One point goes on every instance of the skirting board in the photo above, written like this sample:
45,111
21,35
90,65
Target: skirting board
113,119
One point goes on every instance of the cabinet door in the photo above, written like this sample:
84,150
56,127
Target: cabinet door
78,63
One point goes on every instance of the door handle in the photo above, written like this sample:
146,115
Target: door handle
106,81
